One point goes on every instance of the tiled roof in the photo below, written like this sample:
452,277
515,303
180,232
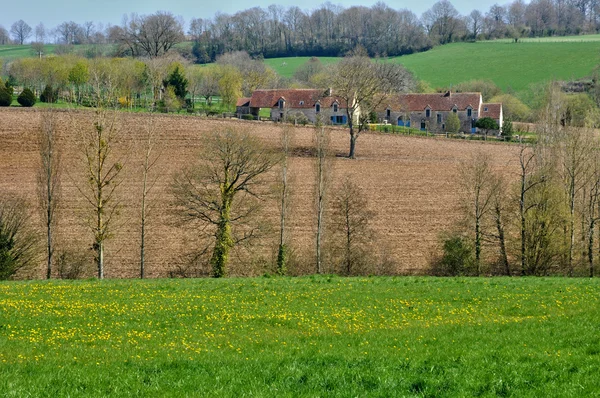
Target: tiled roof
243,102
436,102
493,111
294,98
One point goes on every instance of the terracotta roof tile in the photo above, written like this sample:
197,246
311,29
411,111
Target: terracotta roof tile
243,102
493,111
294,98
436,102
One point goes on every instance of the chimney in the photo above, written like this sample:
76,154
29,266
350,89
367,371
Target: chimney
329,92
448,93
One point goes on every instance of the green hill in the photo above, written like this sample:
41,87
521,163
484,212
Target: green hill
509,65
512,66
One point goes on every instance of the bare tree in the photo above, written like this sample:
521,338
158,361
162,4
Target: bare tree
103,176
151,157
40,33
499,203
223,192
363,85
574,145
152,35
283,250
4,37
350,218
322,169
477,181
593,211
20,31
48,181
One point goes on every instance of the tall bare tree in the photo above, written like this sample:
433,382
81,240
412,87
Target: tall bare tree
48,181
223,191
477,180
20,31
322,180
363,85
151,156
103,174
350,219
152,35
283,250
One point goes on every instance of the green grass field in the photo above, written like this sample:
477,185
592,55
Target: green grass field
312,336
514,67
509,65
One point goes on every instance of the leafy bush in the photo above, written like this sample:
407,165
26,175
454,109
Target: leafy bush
248,117
49,95
5,97
26,98
457,258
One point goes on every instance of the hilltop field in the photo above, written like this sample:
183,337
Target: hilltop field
514,67
411,184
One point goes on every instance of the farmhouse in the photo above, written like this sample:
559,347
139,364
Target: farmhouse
294,103
430,111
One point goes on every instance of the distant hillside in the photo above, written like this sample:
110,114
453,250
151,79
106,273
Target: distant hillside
512,66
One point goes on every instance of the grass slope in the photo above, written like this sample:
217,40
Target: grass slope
509,65
512,66
313,336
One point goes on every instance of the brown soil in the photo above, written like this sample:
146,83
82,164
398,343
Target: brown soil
411,184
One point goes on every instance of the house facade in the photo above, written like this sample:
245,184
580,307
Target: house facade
289,104
431,111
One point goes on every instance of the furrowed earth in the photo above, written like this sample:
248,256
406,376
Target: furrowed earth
411,184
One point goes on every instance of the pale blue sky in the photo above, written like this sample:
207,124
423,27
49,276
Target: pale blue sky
52,13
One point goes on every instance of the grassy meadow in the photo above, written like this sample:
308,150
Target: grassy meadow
310,336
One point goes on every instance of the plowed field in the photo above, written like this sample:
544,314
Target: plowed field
410,182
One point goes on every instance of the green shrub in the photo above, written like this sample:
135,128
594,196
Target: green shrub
5,97
49,95
457,258
26,98
248,117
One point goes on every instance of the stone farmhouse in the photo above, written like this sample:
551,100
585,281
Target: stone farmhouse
430,111
288,104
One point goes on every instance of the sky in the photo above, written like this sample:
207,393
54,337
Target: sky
52,13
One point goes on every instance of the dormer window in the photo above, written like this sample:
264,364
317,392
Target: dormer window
318,108
281,103
454,110
427,112
335,107
469,112
485,109
301,102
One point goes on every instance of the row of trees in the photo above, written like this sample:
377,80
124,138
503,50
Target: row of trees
165,81
327,30
546,222
220,194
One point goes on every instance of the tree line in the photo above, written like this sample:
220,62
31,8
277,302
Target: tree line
221,196
543,223
328,30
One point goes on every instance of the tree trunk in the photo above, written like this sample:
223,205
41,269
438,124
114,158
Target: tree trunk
501,240
478,245
50,247
522,212
224,241
353,137
591,245
282,255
